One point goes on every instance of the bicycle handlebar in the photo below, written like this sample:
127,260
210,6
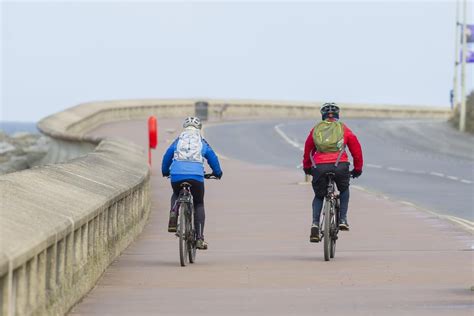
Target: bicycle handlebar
210,176
206,176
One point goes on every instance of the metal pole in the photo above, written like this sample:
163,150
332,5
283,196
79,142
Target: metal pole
149,156
462,116
456,59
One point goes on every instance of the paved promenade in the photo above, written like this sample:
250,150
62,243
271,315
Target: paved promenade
260,261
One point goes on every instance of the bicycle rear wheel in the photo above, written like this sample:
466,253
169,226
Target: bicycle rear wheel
327,230
183,245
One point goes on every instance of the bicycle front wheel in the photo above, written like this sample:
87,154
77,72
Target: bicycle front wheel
183,245
191,240
334,229
327,230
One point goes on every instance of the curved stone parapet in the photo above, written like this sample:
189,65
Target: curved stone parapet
74,123
68,129
62,224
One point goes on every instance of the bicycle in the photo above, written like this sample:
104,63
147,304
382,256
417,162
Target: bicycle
186,231
330,222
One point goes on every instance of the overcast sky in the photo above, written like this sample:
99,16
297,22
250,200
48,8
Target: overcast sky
55,55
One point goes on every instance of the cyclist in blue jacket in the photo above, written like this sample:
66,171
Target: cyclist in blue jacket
184,162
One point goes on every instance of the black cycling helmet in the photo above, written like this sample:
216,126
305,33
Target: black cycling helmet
329,107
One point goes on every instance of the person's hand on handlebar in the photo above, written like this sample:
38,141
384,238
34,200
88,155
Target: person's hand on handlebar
213,176
356,173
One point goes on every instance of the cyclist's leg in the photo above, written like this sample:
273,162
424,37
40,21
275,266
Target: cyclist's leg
319,184
342,182
174,198
344,205
317,207
197,190
173,219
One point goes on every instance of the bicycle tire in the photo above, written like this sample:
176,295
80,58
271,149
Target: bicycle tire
333,235
336,228
183,252
327,231
191,240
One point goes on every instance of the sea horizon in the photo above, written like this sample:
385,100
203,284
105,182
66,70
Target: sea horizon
12,127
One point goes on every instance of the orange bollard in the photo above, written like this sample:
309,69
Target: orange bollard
152,136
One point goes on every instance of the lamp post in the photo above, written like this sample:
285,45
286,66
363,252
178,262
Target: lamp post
462,116
456,59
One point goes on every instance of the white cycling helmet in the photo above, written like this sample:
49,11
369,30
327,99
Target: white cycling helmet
192,121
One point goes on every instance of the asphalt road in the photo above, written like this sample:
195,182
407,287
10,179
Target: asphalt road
424,162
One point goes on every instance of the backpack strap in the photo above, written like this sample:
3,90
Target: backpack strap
313,163
343,148
340,155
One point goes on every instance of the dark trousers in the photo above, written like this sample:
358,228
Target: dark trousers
197,190
320,184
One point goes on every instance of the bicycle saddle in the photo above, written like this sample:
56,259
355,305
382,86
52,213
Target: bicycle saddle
185,185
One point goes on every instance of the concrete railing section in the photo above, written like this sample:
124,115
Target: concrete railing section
61,225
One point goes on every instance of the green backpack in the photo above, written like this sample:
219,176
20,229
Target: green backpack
328,136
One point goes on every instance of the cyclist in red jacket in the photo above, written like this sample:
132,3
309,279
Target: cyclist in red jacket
320,158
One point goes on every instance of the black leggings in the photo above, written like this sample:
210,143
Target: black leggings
320,185
197,190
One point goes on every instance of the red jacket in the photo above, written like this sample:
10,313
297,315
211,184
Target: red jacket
351,141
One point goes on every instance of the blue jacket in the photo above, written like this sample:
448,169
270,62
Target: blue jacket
185,170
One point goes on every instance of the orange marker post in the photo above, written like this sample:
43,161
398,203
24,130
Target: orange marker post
152,136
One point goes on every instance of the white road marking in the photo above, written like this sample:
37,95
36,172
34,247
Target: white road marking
452,178
466,181
418,171
407,203
437,174
396,169
460,221
373,166
286,138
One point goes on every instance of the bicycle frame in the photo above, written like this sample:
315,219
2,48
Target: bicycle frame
332,196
